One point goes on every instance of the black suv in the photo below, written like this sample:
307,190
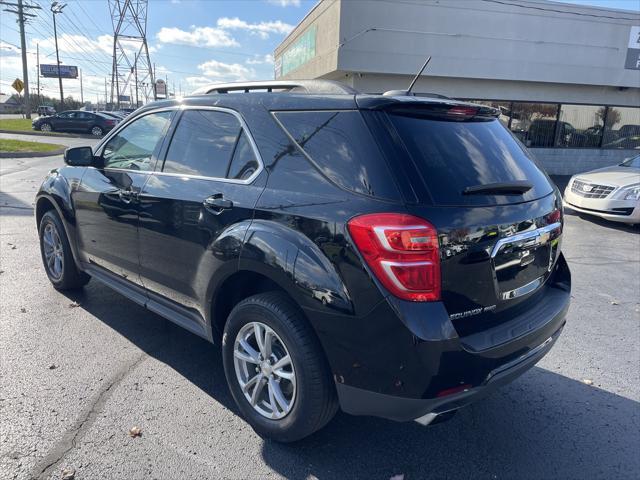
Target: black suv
392,256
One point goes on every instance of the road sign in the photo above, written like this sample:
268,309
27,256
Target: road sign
66,71
161,88
18,85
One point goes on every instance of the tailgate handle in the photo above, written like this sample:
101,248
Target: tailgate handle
533,238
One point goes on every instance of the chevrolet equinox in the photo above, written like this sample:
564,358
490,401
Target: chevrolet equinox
389,255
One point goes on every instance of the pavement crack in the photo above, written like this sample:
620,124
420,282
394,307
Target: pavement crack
57,453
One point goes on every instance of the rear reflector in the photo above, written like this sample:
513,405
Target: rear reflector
451,391
402,252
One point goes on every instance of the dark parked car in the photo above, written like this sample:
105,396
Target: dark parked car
391,256
76,121
118,116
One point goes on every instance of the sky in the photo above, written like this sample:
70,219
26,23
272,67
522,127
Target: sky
191,42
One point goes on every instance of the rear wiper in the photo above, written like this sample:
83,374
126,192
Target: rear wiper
504,188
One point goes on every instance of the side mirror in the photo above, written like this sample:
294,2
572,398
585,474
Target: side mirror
78,156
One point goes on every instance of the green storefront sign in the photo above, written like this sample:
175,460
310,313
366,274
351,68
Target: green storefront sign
298,53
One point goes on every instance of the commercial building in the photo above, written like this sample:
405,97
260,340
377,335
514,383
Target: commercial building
566,77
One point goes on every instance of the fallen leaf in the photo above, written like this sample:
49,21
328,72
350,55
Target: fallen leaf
13,247
400,476
74,305
614,302
68,474
23,310
135,432
53,366
586,381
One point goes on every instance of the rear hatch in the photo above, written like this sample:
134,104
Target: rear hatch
498,216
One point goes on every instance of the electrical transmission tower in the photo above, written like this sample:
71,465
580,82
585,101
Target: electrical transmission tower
132,73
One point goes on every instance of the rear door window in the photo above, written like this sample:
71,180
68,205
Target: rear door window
203,144
452,156
340,144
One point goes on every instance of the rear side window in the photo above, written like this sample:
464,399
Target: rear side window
203,143
342,147
452,156
243,163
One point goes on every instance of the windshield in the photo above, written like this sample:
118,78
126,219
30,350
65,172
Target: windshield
633,162
454,156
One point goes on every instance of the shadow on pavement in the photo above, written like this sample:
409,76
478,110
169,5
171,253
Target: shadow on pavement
542,426
10,205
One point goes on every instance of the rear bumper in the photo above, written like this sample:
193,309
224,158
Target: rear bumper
357,401
416,369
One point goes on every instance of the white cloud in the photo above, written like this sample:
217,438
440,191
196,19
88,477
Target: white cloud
7,47
258,60
263,29
285,3
198,37
76,43
225,72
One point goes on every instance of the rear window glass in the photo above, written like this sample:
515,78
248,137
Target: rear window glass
452,156
342,147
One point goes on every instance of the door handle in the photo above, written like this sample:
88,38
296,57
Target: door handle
216,203
127,196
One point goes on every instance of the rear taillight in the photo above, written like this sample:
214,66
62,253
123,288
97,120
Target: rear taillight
110,122
402,251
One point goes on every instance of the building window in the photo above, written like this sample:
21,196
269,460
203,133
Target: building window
534,123
622,128
580,126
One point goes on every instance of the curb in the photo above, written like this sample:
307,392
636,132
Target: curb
53,135
52,153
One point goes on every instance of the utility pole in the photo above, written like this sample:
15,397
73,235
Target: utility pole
56,8
81,94
20,7
38,70
105,96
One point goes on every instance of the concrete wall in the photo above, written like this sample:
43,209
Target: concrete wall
326,16
530,51
569,161
471,39
494,89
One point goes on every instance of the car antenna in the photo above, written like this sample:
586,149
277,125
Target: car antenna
395,93
415,79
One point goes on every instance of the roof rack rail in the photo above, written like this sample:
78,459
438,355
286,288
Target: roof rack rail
327,87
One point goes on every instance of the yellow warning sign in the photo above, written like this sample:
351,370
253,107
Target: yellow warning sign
17,85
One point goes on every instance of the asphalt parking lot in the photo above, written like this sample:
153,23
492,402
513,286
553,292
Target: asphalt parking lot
78,371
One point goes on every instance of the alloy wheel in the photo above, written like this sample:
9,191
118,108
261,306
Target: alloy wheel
264,370
96,131
45,127
53,252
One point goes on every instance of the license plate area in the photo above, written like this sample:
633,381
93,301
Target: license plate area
522,262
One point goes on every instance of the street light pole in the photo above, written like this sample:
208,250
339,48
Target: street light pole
56,8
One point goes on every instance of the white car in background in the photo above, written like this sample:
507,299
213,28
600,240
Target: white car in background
611,192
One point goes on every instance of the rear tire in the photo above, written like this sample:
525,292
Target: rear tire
97,131
312,399
56,254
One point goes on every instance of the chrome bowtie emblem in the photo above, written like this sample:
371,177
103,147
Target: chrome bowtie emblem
587,188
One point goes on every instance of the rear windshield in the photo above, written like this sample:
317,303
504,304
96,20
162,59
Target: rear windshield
452,156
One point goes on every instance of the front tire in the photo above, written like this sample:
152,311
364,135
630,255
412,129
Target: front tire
46,127
56,255
276,369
